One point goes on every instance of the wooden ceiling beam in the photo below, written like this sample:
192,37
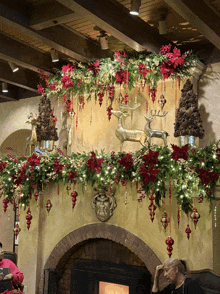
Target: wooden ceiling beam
59,38
22,78
200,16
110,17
24,56
51,14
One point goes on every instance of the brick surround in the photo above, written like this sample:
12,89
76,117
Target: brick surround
84,243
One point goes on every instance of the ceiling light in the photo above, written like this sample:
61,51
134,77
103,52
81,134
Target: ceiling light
54,55
135,4
103,40
163,12
4,87
13,66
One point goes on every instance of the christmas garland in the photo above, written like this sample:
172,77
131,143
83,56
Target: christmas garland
100,77
189,168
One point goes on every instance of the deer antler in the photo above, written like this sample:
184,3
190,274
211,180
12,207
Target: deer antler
135,106
158,114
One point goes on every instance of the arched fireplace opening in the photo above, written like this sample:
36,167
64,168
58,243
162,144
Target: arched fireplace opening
93,261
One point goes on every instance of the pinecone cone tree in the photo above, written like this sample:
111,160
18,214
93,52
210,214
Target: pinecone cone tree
188,119
46,129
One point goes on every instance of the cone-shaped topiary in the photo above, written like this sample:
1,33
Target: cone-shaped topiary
188,119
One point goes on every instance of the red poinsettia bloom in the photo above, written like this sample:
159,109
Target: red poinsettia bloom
94,67
151,157
43,76
20,176
143,69
166,69
206,176
58,168
40,89
72,175
176,58
149,174
94,163
180,152
122,76
33,160
165,49
67,82
2,165
51,86
67,68
120,53
126,161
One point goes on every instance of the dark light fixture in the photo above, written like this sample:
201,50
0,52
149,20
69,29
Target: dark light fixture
54,55
4,87
135,5
13,66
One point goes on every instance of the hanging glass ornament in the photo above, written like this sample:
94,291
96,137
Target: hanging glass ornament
74,194
16,230
36,194
164,220
48,205
5,204
188,231
169,241
68,188
215,216
195,216
152,207
28,218
200,198
162,101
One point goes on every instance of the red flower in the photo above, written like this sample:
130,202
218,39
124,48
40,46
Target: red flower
2,165
33,160
58,168
143,69
176,57
120,53
165,49
149,174
72,175
67,68
180,152
121,76
94,67
126,161
40,89
94,163
67,82
51,86
206,176
20,176
151,157
166,69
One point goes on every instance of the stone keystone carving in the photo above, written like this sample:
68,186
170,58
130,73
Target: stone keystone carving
104,203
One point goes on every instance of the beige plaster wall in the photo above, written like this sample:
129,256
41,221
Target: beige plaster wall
48,229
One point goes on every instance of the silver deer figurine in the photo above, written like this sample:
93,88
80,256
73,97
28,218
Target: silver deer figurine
155,133
127,135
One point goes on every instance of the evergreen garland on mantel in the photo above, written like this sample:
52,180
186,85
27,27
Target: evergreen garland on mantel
192,171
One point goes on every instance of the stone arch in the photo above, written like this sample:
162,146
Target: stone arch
105,231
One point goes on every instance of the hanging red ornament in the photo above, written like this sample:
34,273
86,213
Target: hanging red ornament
100,99
48,205
164,220
74,194
109,112
169,241
28,218
152,207
16,230
68,188
195,216
36,194
178,217
162,101
188,231
5,204
200,198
